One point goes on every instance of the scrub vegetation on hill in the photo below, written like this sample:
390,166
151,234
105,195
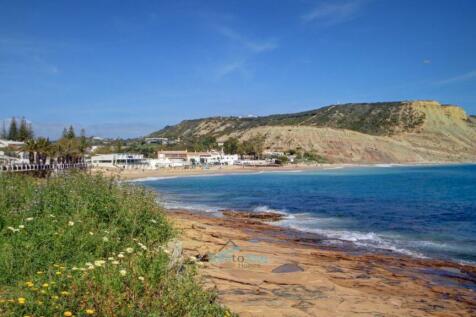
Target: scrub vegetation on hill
382,132
81,245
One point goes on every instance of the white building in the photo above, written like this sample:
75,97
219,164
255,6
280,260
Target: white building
185,158
19,156
11,144
122,160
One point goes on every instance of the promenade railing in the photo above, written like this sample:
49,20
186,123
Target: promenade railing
41,167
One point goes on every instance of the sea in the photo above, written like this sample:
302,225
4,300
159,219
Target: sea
420,211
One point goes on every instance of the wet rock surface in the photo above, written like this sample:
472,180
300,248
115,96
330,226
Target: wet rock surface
264,216
262,270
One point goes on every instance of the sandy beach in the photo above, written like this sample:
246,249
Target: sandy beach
258,269
140,174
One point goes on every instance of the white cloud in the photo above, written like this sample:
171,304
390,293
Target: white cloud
229,68
332,13
460,78
253,45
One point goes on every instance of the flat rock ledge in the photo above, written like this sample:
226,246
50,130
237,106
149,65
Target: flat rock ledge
264,216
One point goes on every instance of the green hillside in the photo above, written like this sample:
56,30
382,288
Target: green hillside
382,118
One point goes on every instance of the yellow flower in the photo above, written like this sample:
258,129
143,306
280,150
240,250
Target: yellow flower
123,272
64,293
29,284
58,273
40,273
56,265
45,285
21,300
55,297
90,311
67,314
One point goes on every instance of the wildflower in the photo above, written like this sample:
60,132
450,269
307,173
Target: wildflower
21,300
52,216
45,285
56,265
40,273
58,273
110,258
143,246
90,311
13,229
120,255
29,219
153,220
74,268
64,293
29,284
67,314
62,268
89,264
91,233
192,258
21,227
99,263
70,223
55,297
105,239
141,278
115,262
129,250
123,272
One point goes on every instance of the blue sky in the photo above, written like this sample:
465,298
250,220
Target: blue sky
126,68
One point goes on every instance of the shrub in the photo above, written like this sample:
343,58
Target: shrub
86,245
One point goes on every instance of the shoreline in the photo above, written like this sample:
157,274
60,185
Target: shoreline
263,269
147,174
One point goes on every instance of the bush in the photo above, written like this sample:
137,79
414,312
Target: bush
86,245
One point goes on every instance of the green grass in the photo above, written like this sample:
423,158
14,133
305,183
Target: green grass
89,246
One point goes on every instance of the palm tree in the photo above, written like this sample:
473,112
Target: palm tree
43,148
31,147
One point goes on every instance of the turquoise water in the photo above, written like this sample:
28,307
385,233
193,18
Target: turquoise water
420,211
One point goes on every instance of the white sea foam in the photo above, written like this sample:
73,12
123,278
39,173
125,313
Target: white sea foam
368,240
283,212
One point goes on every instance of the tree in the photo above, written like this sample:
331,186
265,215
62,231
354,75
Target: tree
31,148
13,130
253,146
70,134
83,143
231,146
43,146
3,133
24,132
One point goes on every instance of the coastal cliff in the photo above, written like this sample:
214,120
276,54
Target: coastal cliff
385,132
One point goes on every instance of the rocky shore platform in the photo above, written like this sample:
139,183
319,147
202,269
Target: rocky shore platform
258,269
